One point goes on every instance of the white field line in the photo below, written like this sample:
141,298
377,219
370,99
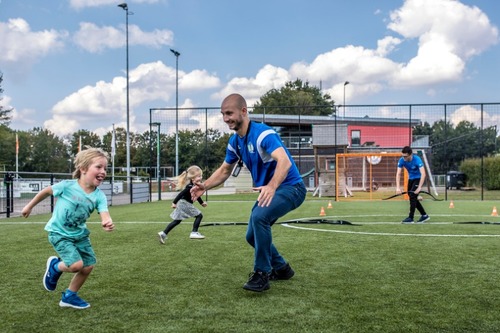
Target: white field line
288,225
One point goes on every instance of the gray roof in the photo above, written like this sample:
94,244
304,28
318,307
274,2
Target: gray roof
281,119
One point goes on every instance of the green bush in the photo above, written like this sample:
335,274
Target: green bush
472,169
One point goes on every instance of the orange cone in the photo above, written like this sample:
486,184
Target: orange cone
451,204
322,212
494,212
329,204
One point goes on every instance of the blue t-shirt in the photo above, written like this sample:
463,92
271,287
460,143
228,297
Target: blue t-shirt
256,148
413,166
73,207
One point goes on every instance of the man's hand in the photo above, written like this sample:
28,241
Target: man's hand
197,191
266,195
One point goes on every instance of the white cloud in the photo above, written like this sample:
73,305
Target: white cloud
25,47
5,102
106,101
448,33
386,45
95,39
198,80
155,39
269,77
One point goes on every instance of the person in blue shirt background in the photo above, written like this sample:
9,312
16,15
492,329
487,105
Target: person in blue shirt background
416,178
275,176
67,228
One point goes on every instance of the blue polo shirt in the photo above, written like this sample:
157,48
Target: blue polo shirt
255,149
413,166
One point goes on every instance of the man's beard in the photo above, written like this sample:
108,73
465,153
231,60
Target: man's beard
237,125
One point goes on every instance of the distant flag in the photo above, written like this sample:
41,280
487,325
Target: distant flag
113,142
17,156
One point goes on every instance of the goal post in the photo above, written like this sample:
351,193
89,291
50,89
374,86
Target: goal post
367,175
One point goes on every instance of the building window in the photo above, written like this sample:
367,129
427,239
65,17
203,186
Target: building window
355,138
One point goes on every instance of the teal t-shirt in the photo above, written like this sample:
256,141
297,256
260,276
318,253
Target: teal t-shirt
73,207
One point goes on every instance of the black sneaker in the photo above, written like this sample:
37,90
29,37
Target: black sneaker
284,273
259,281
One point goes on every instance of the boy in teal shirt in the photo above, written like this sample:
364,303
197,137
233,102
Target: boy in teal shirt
67,228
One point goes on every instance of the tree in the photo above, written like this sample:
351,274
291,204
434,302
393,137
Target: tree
452,145
294,98
144,156
120,146
4,113
46,153
422,130
88,139
7,148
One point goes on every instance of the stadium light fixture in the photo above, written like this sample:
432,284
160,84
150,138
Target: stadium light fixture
345,84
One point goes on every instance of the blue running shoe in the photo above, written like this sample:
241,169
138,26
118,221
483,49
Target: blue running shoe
424,218
51,276
407,220
73,301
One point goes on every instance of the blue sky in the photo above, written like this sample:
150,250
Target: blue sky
64,61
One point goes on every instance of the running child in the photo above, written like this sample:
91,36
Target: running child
67,228
184,205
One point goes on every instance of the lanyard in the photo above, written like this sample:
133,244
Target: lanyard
240,161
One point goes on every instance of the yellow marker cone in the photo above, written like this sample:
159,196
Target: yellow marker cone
322,212
452,205
329,204
494,212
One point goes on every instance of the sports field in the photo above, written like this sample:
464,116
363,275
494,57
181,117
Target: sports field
376,275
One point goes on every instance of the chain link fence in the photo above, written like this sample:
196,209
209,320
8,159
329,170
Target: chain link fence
460,137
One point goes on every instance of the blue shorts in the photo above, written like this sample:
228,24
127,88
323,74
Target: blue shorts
71,250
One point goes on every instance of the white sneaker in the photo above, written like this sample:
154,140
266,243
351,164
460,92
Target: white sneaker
162,237
196,235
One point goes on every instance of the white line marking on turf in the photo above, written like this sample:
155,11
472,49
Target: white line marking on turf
305,228
381,233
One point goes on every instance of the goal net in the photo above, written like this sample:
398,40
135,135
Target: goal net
367,176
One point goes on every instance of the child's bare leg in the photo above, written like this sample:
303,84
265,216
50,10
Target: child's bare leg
79,278
81,274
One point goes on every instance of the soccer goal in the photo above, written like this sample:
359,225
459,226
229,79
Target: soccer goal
366,175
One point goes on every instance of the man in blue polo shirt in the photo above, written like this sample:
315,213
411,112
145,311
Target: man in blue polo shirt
416,178
275,176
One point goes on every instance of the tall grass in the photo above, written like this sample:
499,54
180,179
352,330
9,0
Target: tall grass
375,276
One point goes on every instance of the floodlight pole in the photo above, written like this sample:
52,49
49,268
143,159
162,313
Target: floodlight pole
158,177
176,54
125,8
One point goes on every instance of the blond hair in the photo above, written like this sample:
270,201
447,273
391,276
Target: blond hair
85,158
188,175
